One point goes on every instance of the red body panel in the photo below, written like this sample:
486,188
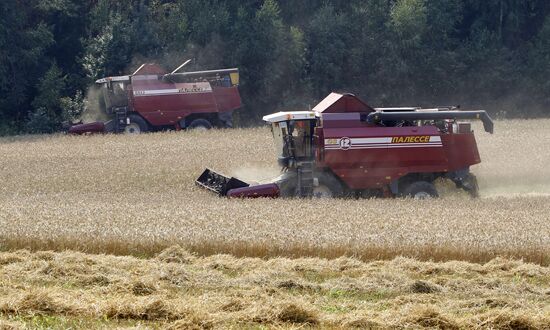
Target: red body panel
460,150
263,190
366,157
164,103
227,98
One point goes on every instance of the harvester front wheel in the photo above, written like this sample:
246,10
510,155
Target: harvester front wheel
200,125
328,187
420,190
471,186
137,125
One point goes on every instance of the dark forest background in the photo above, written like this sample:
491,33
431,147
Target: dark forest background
492,54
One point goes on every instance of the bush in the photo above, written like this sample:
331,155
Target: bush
73,107
41,122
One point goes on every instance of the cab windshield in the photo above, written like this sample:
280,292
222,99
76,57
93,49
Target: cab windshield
114,95
294,138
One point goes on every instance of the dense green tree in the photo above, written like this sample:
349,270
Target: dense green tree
50,89
409,20
492,53
329,43
172,25
47,107
23,45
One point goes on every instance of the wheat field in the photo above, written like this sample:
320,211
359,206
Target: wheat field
136,195
179,290
155,251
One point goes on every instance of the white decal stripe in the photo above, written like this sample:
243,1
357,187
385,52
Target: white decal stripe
385,146
373,147
370,140
156,92
360,140
430,146
378,140
379,144
168,92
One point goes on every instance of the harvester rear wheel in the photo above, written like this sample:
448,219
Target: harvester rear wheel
420,190
200,125
137,125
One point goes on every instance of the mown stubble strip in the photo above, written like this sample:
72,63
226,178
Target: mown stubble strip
177,287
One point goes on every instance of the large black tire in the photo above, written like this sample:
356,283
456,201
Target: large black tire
288,188
420,190
137,125
471,186
287,185
200,124
329,186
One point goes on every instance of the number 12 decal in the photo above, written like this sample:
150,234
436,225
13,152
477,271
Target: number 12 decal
345,143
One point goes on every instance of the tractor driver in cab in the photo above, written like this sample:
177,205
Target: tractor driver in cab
302,137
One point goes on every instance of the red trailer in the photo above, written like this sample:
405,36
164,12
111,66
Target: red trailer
344,147
152,99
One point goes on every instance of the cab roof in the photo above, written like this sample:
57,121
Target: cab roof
289,115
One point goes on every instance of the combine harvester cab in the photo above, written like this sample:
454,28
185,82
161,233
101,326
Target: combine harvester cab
343,147
152,99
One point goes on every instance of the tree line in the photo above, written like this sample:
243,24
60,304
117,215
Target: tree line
492,54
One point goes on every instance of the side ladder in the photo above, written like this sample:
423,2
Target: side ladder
305,179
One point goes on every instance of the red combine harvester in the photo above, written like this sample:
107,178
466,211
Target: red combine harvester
152,99
343,147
